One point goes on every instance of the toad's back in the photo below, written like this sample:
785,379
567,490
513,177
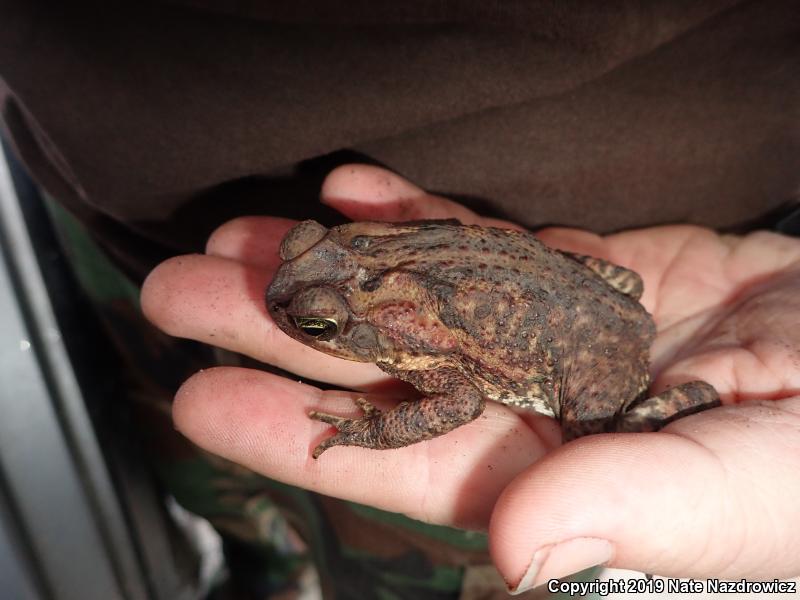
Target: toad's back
535,325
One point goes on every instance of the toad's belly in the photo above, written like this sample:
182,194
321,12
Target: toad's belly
535,396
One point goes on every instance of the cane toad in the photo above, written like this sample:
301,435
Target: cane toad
468,313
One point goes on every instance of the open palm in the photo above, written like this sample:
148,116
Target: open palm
708,495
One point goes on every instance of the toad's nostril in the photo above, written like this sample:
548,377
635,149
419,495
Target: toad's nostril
282,287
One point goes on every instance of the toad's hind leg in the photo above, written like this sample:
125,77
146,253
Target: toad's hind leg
621,279
407,423
653,413
579,418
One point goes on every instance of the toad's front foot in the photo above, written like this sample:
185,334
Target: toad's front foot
407,423
352,432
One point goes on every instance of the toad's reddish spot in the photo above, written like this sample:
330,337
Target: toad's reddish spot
403,321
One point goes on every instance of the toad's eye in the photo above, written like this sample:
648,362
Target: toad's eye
360,242
316,327
319,312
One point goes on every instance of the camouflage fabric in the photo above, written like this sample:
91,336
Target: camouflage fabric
278,540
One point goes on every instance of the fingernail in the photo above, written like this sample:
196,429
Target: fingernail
559,560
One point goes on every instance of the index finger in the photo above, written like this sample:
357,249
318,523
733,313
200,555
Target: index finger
220,302
261,421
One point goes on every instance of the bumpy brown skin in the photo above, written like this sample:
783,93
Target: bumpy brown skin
468,313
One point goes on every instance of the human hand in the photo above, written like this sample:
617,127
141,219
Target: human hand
712,494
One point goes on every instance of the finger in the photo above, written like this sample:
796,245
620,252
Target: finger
221,302
671,260
368,193
260,420
714,493
574,240
251,240
767,368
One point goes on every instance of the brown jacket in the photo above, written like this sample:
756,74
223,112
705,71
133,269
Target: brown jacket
154,122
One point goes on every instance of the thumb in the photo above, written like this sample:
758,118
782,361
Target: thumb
365,192
714,494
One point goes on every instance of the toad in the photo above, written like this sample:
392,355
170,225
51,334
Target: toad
467,314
